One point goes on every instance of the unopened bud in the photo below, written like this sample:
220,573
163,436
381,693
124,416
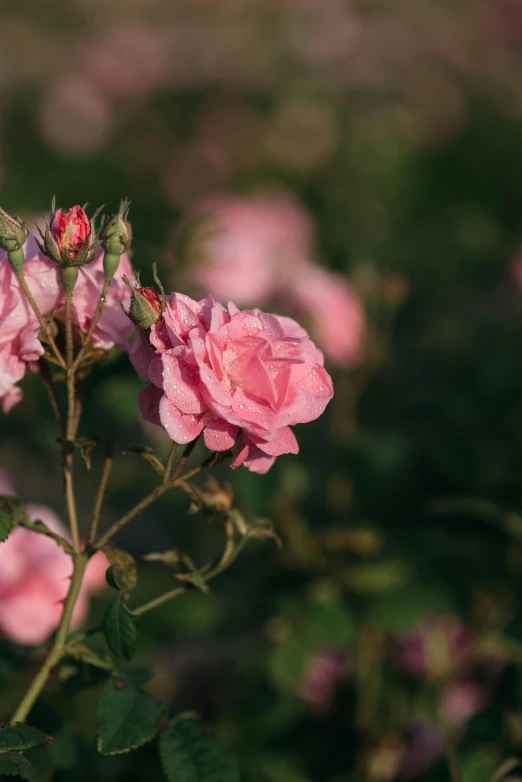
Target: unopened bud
70,238
116,234
12,238
146,306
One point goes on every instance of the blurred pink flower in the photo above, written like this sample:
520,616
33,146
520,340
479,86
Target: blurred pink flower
19,343
461,700
252,247
34,578
334,312
434,648
319,680
255,250
230,372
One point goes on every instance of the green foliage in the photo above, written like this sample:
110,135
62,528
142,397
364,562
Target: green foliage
126,717
119,629
11,513
189,754
123,571
22,737
14,765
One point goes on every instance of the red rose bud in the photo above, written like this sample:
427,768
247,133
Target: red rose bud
70,230
12,239
146,306
70,238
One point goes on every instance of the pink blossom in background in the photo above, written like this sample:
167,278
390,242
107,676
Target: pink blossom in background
19,343
251,248
435,647
230,373
255,250
322,674
334,312
461,700
34,578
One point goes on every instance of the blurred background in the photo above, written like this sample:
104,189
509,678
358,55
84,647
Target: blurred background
355,164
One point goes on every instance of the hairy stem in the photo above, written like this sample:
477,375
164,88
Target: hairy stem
41,320
100,494
47,378
70,425
57,649
171,482
94,323
170,460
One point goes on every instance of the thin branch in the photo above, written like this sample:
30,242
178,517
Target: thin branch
41,320
100,494
48,381
94,323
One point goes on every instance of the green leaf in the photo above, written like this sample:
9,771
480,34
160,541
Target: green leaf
13,765
149,455
126,717
22,737
119,629
124,573
12,513
189,755
7,523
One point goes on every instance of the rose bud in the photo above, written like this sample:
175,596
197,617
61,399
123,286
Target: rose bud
116,238
12,232
70,238
146,306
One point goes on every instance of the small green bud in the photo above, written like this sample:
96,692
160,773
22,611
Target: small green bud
12,234
116,234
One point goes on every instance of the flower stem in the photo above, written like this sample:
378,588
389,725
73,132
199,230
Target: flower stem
57,649
43,323
171,482
100,494
70,424
94,323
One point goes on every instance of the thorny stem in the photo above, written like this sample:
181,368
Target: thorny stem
100,494
70,425
94,323
57,649
47,378
43,323
170,460
145,502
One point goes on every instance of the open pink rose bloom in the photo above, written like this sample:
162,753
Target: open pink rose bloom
228,373
35,575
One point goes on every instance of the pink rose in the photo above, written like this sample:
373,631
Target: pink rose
334,311
229,373
34,578
19,343
252,248
19,327
70,229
